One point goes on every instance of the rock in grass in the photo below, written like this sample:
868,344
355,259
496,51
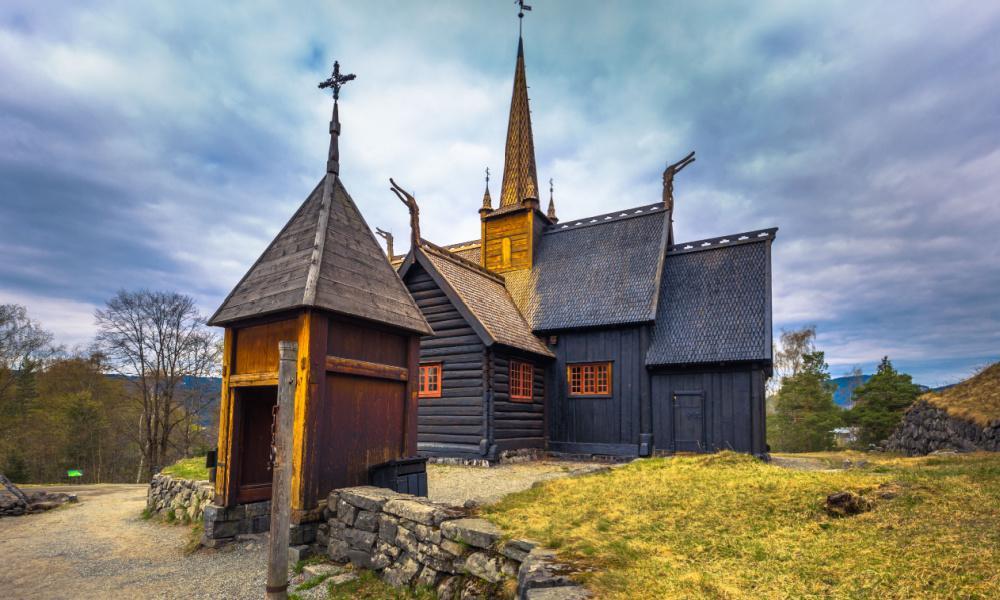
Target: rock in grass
846,503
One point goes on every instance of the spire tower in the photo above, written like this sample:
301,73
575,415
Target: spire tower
520,178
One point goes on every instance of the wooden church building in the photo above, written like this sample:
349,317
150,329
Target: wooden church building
598,335
324,283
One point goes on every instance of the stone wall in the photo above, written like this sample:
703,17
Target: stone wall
926,428
186,499
412,541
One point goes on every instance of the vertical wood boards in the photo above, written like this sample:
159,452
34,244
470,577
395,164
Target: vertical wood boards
732,411
451,425
256,346
367,418
603,424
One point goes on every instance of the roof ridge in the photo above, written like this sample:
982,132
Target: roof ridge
611,217
461,245
459,260
734,239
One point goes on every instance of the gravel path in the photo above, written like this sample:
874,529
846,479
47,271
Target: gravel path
101,548
454,484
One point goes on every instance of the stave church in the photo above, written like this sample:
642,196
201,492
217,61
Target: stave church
597,335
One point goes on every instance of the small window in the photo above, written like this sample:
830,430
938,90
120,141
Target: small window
430,381
590,379
505,252
522,376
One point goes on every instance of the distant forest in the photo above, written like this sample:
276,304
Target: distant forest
143,394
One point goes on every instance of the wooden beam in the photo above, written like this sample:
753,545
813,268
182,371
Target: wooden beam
245,379
277,557
363,368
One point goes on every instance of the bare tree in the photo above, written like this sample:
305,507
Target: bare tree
23,342
155,340
794,345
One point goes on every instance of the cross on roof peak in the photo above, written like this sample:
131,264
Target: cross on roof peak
336,80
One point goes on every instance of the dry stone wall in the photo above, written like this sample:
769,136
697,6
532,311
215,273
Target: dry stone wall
412,541
927,428
185,499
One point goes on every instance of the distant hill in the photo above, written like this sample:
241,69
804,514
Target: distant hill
845,388
846,384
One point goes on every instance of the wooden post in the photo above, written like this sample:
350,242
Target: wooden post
277,556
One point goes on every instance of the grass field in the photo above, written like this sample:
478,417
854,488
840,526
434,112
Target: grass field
729,526
188,468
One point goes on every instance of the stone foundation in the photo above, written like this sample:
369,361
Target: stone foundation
926,428
223,525
185,499
413,541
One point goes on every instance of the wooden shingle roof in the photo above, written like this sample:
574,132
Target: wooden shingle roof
715,302
350,275
481,296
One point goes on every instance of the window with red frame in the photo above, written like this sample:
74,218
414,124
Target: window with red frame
430,381
590,379
522,376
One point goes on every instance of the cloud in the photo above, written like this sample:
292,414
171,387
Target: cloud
164,145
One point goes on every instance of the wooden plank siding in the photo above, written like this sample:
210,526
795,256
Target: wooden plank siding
516,423
599,424
733,410
454,424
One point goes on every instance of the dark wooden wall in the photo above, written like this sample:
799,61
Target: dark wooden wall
455,423
599,425
733,410
516,424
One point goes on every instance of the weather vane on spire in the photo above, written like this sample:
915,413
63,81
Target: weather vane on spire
487,177
336,81
520,14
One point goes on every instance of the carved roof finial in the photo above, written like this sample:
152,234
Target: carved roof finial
552,203
335,81
668,190
387,236
411,204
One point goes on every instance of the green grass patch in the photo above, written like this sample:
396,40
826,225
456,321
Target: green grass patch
302,564
369,587
729,526
188,468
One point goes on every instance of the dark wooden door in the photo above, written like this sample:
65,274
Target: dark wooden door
689,421
253,452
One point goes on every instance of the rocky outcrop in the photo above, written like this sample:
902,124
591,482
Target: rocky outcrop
413,541
927,428
178,499
11,506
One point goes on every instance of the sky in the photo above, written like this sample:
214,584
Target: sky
162,145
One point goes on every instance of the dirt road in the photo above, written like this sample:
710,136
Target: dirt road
101,548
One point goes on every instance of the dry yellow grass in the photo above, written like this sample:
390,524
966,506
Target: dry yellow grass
976,399
729,526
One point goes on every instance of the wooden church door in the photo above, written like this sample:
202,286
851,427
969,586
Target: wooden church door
689,421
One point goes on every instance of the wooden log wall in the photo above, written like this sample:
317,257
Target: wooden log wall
517,424
452,425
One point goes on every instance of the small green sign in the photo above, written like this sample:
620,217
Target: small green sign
74,473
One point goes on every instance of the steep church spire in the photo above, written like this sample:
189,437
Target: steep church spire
520,179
